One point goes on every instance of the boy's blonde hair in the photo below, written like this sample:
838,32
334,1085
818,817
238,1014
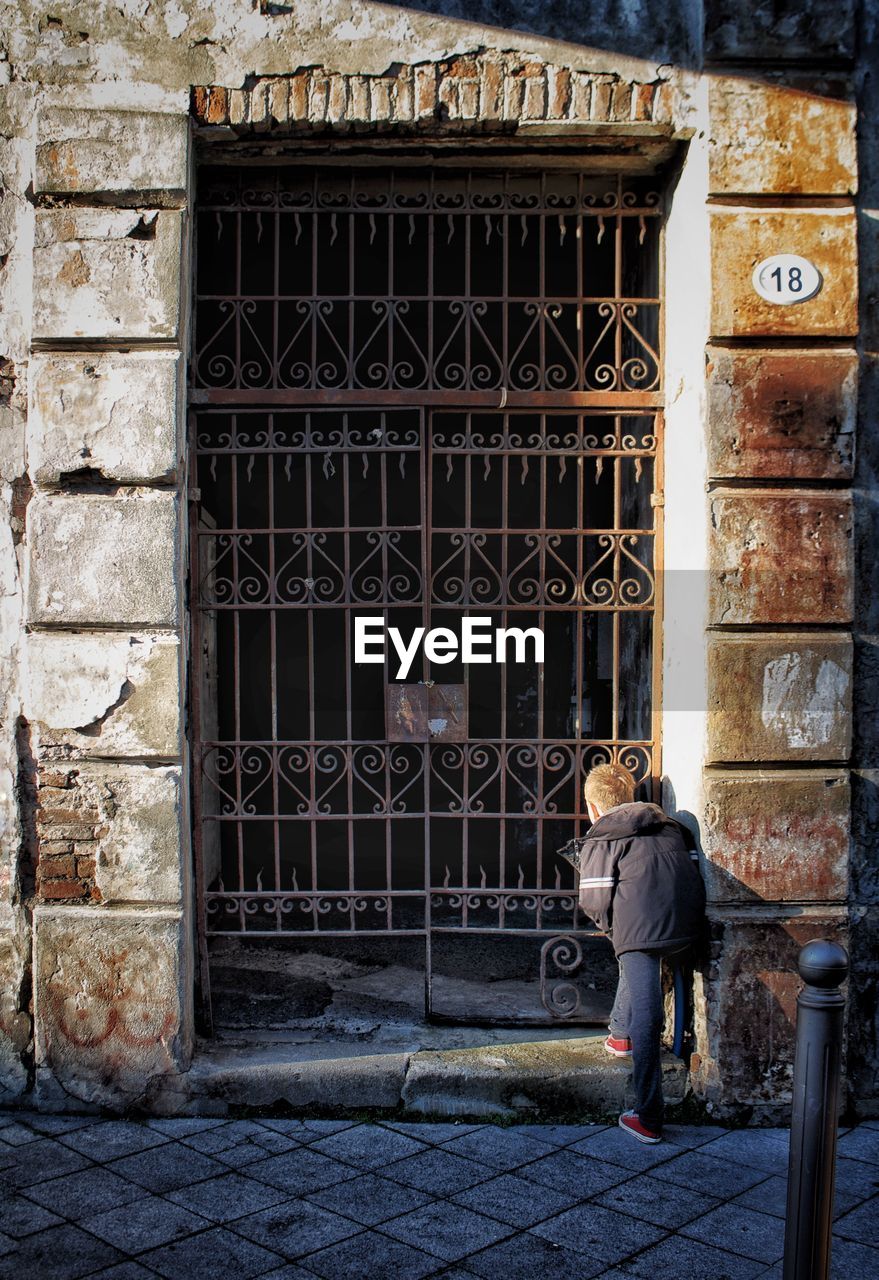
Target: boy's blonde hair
608,785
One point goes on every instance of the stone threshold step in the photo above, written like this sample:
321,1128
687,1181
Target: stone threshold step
516,1080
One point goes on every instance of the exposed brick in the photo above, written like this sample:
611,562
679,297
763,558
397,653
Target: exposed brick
85,868
514,96
358,99
61,816
200,100
621,101
463,69
534,106
218,106
558,92
72,831
337,105
48,794
50,778
491,91
54,848
468,99
259,103
239,101
278,98
581,96
490,87
403,96
64,889
601,98
298,98
380,98
448,98
318,98
663,102
56,868
425,90
643,108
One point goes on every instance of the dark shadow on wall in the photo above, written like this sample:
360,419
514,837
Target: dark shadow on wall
748,967
617,25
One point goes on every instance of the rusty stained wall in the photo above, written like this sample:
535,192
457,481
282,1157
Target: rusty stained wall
776,815
94,120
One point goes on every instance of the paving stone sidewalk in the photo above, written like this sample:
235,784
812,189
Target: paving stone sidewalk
295,1199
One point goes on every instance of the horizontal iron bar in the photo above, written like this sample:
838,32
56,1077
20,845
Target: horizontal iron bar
402,933
321,933
492,530
509,605
342,815
500,299
552,400
319,743
307,895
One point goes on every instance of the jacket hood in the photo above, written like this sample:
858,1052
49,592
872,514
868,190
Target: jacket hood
627,819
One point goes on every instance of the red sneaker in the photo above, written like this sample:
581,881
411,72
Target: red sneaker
619,1046
630,1122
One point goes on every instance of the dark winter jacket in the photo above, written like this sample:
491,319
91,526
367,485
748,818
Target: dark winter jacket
640,879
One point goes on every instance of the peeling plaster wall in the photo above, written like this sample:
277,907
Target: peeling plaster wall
95,102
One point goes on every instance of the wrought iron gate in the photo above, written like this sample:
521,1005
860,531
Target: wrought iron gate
418,396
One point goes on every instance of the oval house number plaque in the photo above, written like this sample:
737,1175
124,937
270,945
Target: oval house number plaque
786,278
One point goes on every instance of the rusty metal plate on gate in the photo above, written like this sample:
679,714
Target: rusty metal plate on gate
426,713
446,713
406,707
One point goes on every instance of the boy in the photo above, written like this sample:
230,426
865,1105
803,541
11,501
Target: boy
640,883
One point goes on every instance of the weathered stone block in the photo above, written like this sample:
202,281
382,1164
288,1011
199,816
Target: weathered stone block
15,1022
776,138
781,414
747,1045
776,837
114,414
780,29
101,150
780,557
106,273
110,560
784,697
111,1003
136,813
743,237
105,694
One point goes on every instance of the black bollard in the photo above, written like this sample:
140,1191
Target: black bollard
811,1170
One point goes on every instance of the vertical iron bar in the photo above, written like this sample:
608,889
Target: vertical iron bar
616,570
197,754
425,424
658,433
505,596
273,661
308,469
541,620
347,613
